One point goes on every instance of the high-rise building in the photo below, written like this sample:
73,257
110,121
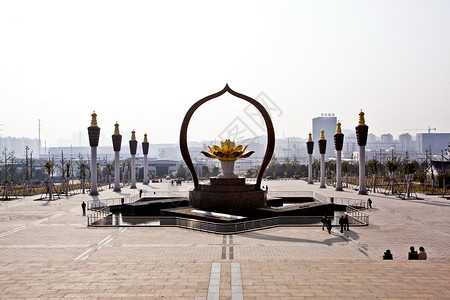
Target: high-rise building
434,141
387,138
327,122
405,141
371,138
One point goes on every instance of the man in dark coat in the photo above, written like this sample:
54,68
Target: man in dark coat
83,207
346,225
341,222
329,224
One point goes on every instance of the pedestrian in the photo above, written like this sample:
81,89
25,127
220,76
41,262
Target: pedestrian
412,254
140,193
346,224
83,207
422,253
267,188
388,255
341,222
370,202
324,221
329,224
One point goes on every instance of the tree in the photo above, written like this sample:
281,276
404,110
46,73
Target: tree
409,169
49,168
83,166
107,170
392,167
8,175
374,167
181,172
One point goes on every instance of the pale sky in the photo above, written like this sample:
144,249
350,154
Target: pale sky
144,63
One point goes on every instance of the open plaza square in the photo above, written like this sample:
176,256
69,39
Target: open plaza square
48,251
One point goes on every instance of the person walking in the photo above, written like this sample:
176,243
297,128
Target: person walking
346,224
324,221
329,224
422,253
369,201
140,193
341,222
83,207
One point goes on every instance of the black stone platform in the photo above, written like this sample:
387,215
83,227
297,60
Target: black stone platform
227,195
152,206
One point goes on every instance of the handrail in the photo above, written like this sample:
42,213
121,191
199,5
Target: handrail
99,220
357,215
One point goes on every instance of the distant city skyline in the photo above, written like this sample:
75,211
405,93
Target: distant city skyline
143,64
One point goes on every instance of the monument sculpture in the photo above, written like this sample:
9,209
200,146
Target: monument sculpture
94,135
338,145
133,150
361,135
227,154
117,142
228,193
310,148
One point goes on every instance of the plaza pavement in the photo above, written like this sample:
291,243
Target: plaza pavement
47,252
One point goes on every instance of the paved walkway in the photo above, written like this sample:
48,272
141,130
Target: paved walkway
46,251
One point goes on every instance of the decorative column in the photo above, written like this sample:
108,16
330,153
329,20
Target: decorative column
94,135
133,148
145,146
338,144
322,150
361,135
310,147
117,142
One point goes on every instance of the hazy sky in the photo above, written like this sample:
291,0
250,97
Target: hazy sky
144,63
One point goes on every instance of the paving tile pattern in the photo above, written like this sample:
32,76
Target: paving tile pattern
46,251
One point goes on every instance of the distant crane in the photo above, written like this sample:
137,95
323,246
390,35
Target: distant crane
421,129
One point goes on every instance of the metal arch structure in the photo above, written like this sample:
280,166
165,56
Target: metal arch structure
269,126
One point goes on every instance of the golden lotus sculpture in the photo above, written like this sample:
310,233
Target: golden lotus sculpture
227,153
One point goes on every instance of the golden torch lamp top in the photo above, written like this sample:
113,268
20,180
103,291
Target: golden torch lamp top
116,129
322,134
338,128
94,120
361,119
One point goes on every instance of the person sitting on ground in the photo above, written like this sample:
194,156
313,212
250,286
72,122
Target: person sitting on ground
388,255
422,253
412,254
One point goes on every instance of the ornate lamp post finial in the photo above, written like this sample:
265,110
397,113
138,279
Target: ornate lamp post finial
94,120
338,128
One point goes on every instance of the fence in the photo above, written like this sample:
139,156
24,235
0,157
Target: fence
102,218
358,216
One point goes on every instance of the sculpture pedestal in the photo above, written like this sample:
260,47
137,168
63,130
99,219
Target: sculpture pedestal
227,195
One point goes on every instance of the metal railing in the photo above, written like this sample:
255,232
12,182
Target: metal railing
358,216
99,204
103,219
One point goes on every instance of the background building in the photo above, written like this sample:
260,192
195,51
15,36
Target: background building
327,122
434,141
